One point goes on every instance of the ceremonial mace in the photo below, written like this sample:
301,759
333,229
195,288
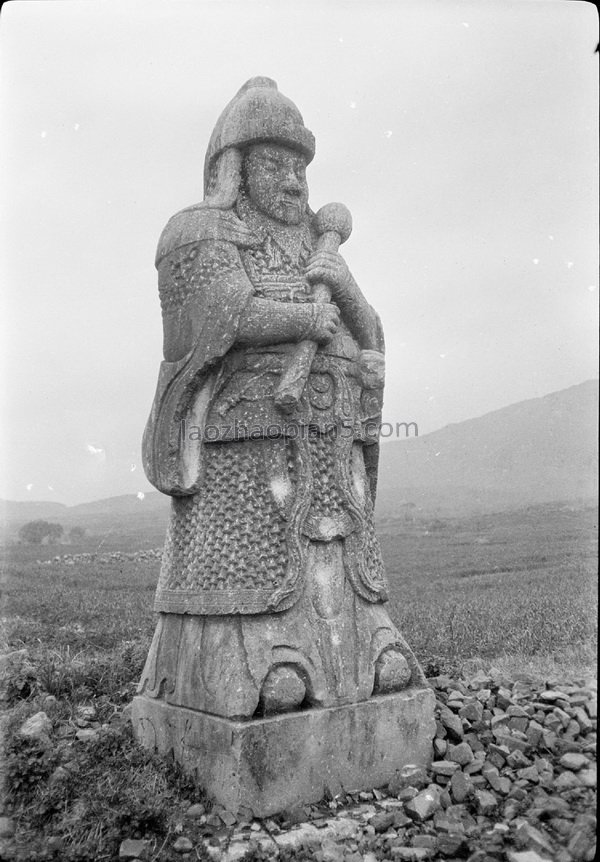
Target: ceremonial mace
333,224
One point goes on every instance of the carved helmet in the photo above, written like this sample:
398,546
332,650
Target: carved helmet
258,113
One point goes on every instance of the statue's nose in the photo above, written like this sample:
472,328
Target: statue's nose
292,184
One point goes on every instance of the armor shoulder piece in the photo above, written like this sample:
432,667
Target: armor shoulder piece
200,222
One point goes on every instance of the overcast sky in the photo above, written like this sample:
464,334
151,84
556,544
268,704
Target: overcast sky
461,135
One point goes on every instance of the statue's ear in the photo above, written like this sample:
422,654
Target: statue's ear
224,179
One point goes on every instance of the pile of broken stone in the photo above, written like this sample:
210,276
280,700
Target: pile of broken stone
111,557
513,778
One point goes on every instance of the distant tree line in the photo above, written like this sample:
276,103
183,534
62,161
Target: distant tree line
44,532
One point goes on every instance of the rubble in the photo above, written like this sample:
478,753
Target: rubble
486,800
104,558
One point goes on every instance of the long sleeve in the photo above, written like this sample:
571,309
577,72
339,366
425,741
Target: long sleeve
265,321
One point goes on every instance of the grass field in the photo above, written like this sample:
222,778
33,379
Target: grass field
520,582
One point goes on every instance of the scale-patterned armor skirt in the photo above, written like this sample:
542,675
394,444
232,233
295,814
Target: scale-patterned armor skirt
227,559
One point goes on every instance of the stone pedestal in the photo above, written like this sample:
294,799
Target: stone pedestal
270,764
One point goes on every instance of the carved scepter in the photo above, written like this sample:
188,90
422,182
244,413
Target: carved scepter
333,223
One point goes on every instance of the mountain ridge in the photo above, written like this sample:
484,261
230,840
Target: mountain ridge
534,451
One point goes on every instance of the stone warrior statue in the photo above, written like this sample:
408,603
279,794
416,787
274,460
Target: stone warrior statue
264,432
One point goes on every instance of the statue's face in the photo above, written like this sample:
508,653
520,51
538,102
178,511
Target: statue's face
276,182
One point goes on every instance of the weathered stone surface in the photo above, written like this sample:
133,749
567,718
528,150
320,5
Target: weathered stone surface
195,811
444,767
183,845
534,733
472,711
236,852
306,834
412,854
486,802
331,851
574,761
514,743
392,673
461,754
529,773
499,783
424,805
582,843
584,722
452,724
567,780
424,840
588,777
440,747
461,787
401,820
551,696
409,776
341,828
37,726
132,848
283,691
526,856
86,734
530,837
451,844
517,760
382,822
250,763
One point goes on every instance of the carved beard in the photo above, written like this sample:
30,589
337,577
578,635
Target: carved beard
291,238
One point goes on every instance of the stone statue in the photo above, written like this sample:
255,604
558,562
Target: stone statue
264,431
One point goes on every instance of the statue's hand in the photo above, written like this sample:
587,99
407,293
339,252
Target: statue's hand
330,268
324,323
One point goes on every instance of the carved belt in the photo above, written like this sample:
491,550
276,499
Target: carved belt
275,357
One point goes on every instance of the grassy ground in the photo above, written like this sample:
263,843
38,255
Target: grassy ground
87,606
516,589
519,584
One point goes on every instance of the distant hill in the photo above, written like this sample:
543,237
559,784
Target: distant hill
31,510
537,451
122,506
543,450
115,519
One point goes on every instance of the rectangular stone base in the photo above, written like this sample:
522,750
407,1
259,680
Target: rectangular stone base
270,764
